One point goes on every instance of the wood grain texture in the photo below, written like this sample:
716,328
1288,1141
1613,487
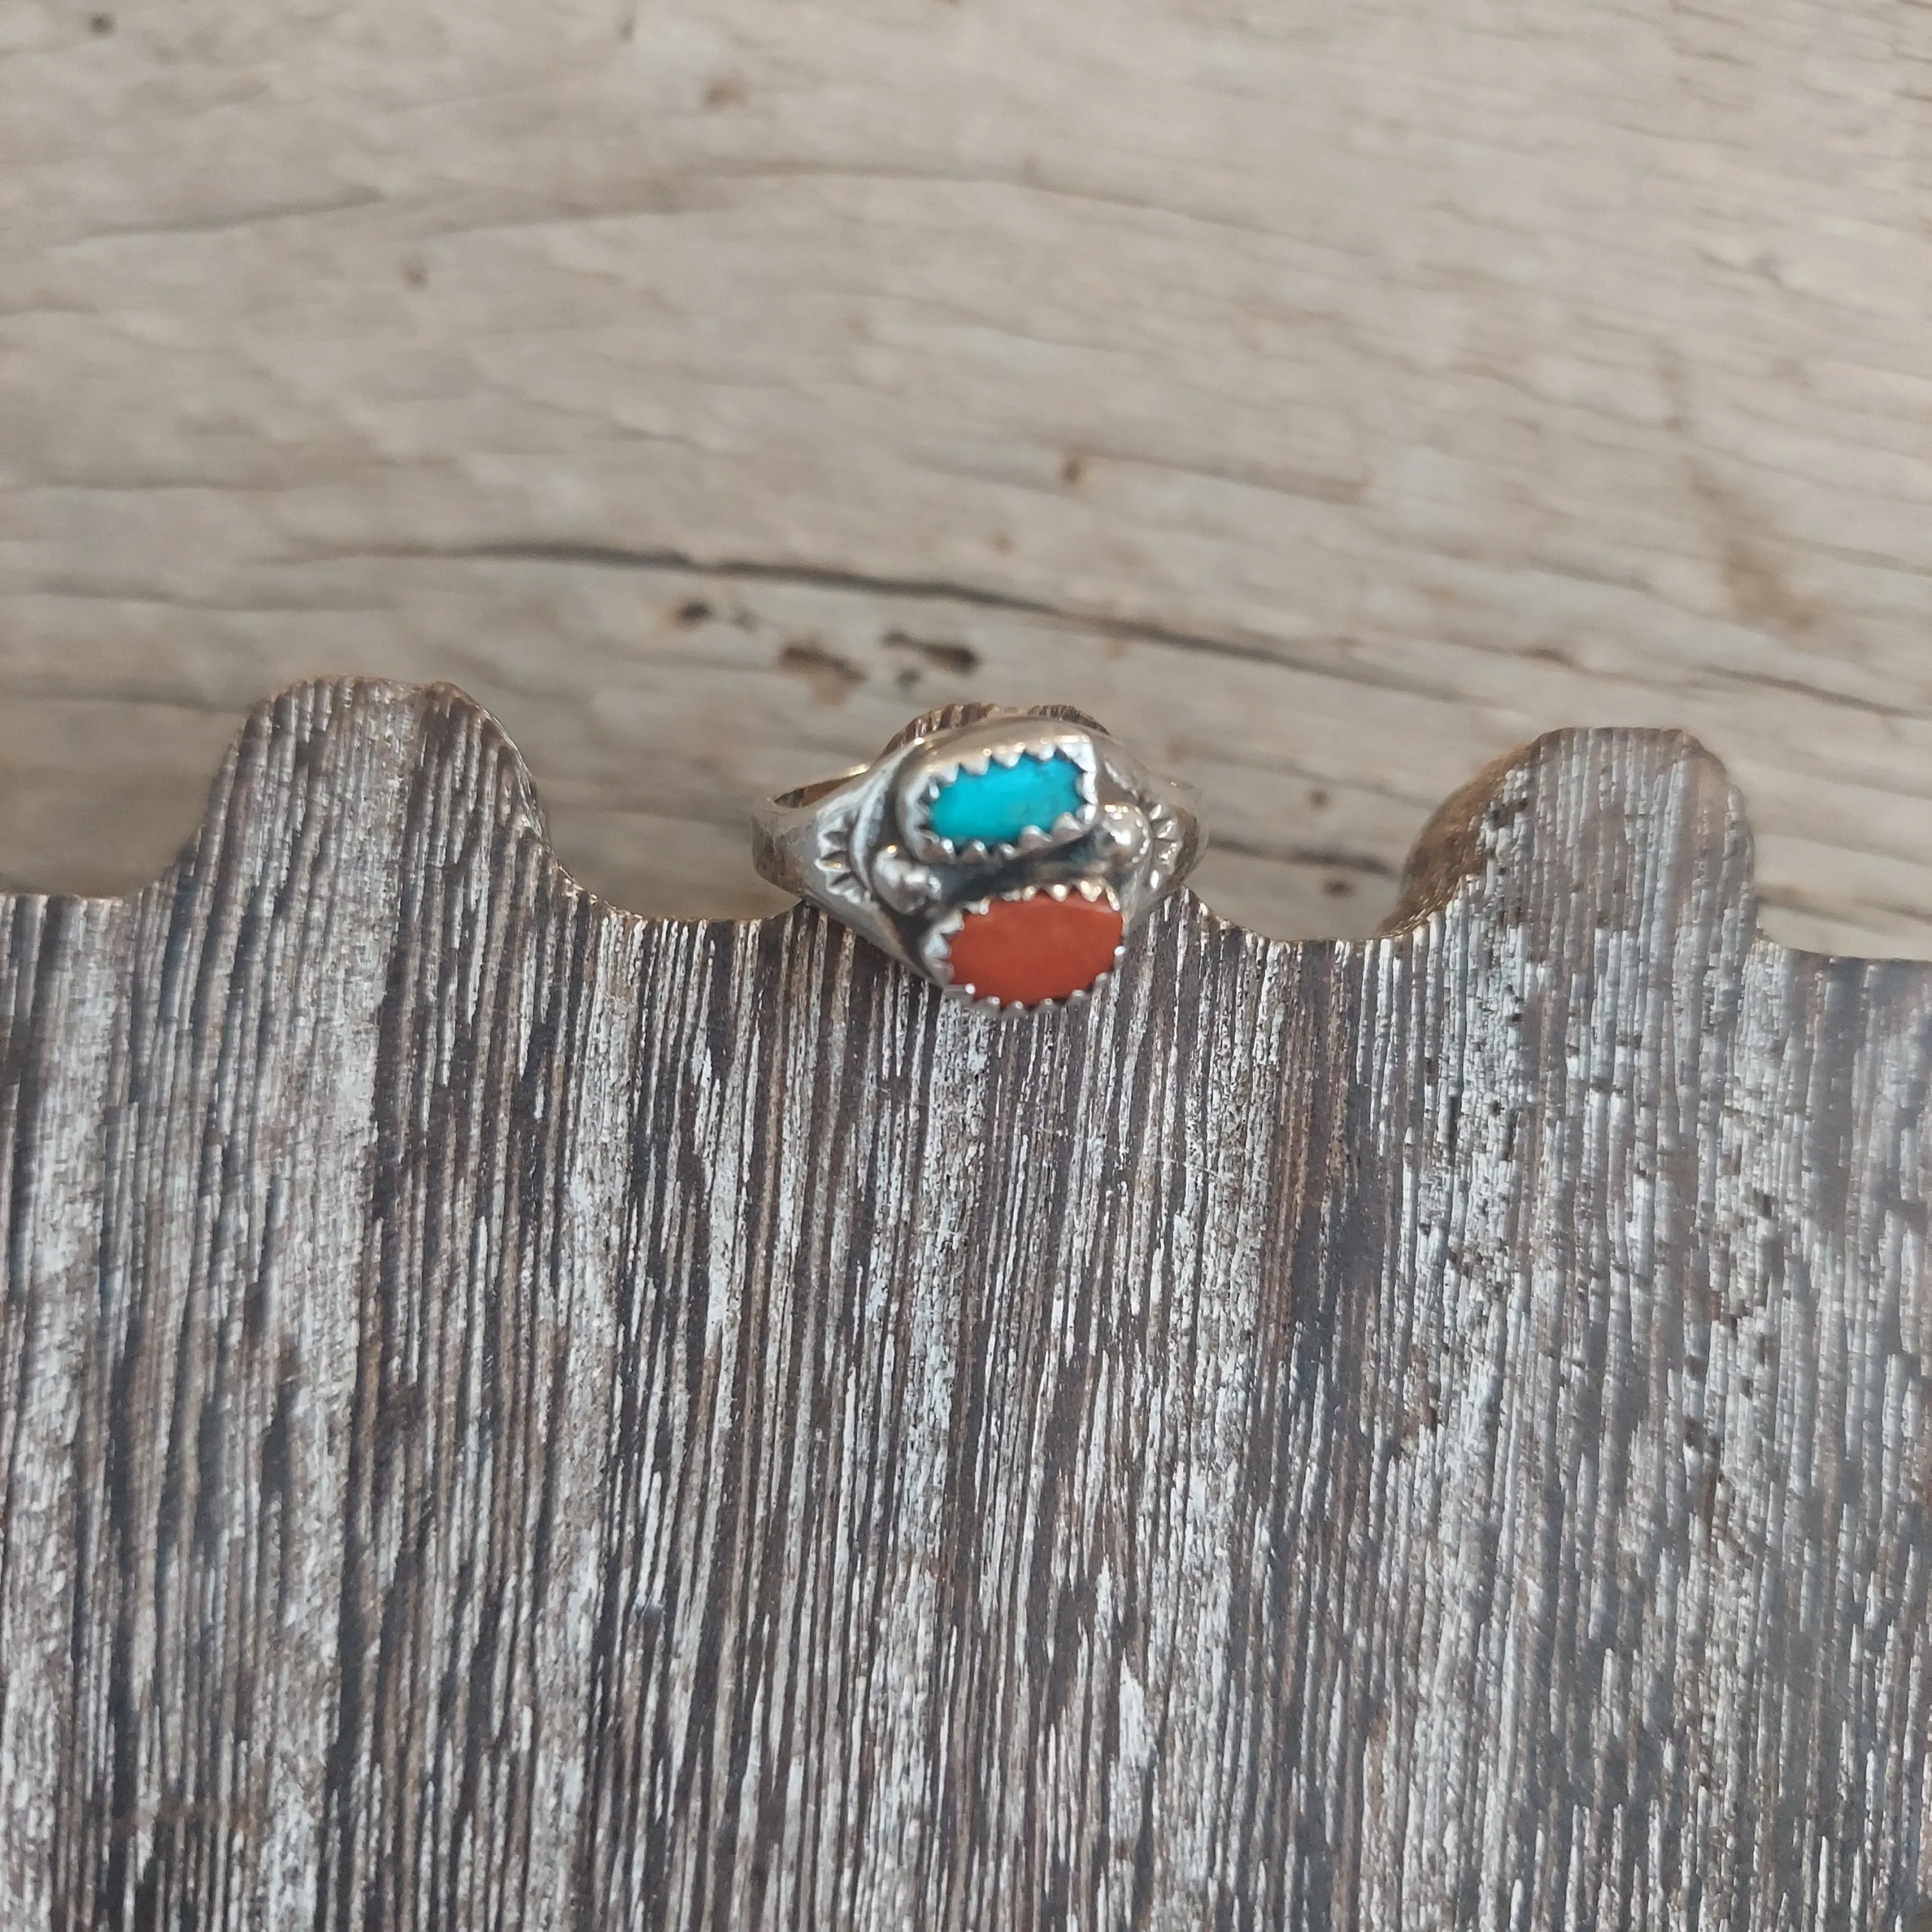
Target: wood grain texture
1333,397
515,1414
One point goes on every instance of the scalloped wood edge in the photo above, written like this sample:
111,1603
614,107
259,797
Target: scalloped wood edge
517,1413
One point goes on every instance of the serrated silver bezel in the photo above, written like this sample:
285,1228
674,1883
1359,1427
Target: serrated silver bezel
926,776
936,947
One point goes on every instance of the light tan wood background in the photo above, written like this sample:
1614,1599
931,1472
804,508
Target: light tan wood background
1327,395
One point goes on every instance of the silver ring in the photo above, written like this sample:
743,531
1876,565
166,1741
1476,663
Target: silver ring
1005,855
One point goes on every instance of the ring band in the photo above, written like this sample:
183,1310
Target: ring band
1006,855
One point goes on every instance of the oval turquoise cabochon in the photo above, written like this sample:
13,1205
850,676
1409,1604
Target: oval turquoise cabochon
996,805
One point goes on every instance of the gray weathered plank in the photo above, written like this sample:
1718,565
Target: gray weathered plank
1331,396
515,1414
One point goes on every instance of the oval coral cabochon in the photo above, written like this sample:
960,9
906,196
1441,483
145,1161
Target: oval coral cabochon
1020,952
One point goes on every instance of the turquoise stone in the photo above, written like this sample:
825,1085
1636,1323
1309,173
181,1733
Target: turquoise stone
996,805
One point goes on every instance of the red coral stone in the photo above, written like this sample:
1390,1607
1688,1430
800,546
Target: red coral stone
1020,952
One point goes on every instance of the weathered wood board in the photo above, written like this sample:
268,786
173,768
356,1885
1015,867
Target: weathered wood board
513,1414
1331,396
